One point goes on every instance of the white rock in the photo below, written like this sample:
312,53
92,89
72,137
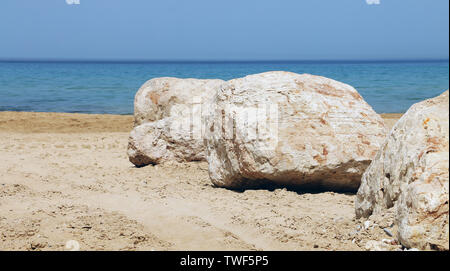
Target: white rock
367,224
291,129
155,99
169,120
410,173
373,245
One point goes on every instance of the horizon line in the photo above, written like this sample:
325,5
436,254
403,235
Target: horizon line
68,60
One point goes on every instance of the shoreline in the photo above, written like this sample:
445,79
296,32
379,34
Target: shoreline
52,122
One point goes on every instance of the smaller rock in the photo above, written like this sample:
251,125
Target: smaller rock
388,232
390,242
38,244
169,120
384,245
373,245
367,224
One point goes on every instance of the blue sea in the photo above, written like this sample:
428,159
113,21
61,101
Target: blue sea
107,87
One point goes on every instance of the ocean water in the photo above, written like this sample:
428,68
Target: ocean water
389,87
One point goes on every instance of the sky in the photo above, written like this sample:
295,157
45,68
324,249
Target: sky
224,30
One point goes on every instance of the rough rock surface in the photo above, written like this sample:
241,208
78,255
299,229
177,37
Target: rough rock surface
168,121
410,174
289,129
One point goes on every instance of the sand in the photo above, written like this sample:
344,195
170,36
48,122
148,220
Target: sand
67,177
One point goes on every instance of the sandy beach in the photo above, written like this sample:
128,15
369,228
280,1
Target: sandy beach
67,177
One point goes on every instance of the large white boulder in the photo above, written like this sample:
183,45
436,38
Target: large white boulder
290,129
410,174
169,117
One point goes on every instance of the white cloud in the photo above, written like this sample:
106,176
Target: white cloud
373,2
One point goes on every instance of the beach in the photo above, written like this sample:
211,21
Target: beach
67,177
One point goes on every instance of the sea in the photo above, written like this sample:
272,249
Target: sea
109,87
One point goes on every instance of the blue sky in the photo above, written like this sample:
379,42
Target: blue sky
224,30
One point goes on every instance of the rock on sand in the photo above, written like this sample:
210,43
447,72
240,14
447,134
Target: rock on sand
410,173
169,115
291,129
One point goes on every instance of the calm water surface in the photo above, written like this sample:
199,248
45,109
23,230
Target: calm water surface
389,87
